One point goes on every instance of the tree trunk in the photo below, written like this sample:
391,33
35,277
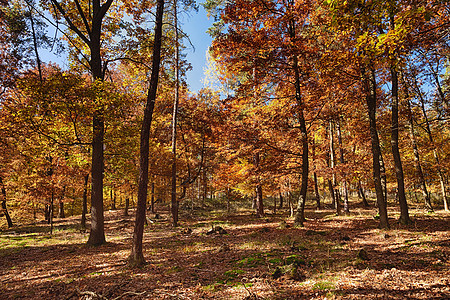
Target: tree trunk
137,256
281,201
127,206
51,211
341,152
258,190
300,215
370,87
363,196
61,214
316,186
4,207
423,185
316,191
335,194
404,214
331,191
435,152
85,191
291,205
174,200
152,199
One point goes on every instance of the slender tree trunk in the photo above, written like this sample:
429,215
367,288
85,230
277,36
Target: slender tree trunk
341,152
316,190
152,199
383,178
335,198
332,195
61,213
127,206
363,196
85,191
435,152
4,207
137,256
51,211
174,200
258,190
423,185
404,214
300,215
316,186
370,87
291,205
281,201
35,44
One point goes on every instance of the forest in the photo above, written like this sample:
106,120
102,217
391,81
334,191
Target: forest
314,163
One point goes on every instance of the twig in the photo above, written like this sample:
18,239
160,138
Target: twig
129,293
95,295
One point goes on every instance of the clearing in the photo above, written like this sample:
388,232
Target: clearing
332,257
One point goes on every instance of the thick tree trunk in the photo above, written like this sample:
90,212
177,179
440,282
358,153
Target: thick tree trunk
97,232
61,213
370,87
137,256
404,214
4,207
84,210
93,41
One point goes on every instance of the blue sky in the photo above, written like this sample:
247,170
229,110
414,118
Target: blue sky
196,25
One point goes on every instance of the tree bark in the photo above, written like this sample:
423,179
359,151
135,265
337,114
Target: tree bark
61,213
281,201
316,186
435,152
370,87
423,185
363,196
258,190
137,256
127,206
300,214
174,200
341,152
404,214
152,199
335,198
4,207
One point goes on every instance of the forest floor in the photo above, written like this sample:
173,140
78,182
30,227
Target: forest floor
332,257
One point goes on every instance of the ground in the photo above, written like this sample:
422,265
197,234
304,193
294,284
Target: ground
332,257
